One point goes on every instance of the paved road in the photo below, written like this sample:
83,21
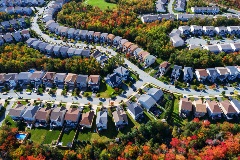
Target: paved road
6,112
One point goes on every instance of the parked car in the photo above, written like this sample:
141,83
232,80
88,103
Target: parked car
19,97
4,93
10,97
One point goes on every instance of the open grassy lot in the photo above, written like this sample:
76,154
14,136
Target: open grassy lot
44,136
105,90
100,3
67,137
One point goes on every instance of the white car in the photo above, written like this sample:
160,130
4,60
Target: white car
4,93
10,97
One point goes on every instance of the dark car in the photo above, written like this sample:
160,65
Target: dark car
20,97
231,93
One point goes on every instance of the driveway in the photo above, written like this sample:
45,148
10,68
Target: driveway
6,112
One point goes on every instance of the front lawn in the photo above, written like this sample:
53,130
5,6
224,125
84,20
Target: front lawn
105,90
67,137
102,4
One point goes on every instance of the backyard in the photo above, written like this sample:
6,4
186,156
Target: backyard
67,137
43,135
102,4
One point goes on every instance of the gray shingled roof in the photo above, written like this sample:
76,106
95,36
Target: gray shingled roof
30,112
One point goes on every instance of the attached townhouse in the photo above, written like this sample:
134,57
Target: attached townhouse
185,107
233,72
70,79
36,78
82,81
201,74
59,79
212,74
223,73
48,79
94,82
96,37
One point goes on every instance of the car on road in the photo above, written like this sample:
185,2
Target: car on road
10,97
231,93
19,97
4,93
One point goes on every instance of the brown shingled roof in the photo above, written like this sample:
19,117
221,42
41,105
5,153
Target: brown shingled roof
87,118
200,107
94,78
72,114
111,36
133,47
228,106
165,64
186,105
214,106
127,44
97,34
49,75
202,72
43,113
71,77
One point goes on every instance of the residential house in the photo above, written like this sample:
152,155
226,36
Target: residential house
22,22
212,74
136,52
5,25
11,79
10,10
30,41
156,94
78,52
86,53
17,112
82,81
175,32
126,46
122,42
176,72
56,50
102,59
227,109
64,50
142,55
94,82
49,22
57,29
209,30
201,74
101,120
72,117
160,8
212,48
233,30
164,67
187,74
225,47
59,79
48,78
18,10
57,117
110,38
146,101
233,72
123,72
25,34
199,108
83,34
103,37
185,107
185,30
96,53
134,110
235,47
208,10
14,23
222,31
223,73
76,34
120,118
114,80
117,40
42,47
35,44
49,49
29,115
64,31
87,119
70,33
42,117
24,78
90,35
236,104
177,41
180,5
213,110
149,60
70,52
36,78
8,38
27,11
53,27
132,48
17,36
196,30
70,79
96,36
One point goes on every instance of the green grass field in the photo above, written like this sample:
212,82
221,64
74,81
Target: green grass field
67,137
100,3
43,136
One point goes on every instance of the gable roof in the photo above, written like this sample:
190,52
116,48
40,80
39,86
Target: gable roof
60,76
155,93
102,117
71,77
165,64
94,78
120,115
43,113
82,78
199,106
120,70
36,74
228,108
202,72
146,101
236,104
49,75
16,111
185,104
134,108
30,112
72,115
57,113
213,106
87,118
86,52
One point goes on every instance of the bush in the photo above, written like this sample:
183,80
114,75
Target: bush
98,95
86,94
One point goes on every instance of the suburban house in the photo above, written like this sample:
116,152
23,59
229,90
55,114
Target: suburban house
208,10
63,51
48,78
25,34
17,36
78,52
134,110
76,34
96,53
175,32
126,46
156,94
123,72
180,5
59,79
53,27
233,30
201,74
101,120
185,107
5,25
212,48
117,40
225,47
58,29
209,30
70,79
57,117
30,41
23,78
233,72
36,78
213,109
86,53
35,44
42,47
70,52
160,8
70,33
103,37
82,81
185,30
199,108
8,38
132,48
120,118
90,35
222,31
136,52
102,59
56,50
64,31
49,49
196,30
14,23
122,42
223,73
142,55
187,74
164,67
110,38
177,41
96,36
149,60
11,79
213,74
176,72
87,119
83,34
236,104
42,117
114,80
227,109
146,101
72,117
17,112
94,82
29,115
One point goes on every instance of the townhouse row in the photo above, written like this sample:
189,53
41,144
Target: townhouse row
214,110
23,3
210,74
15,36
13,24
25,11
206,10
97,37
